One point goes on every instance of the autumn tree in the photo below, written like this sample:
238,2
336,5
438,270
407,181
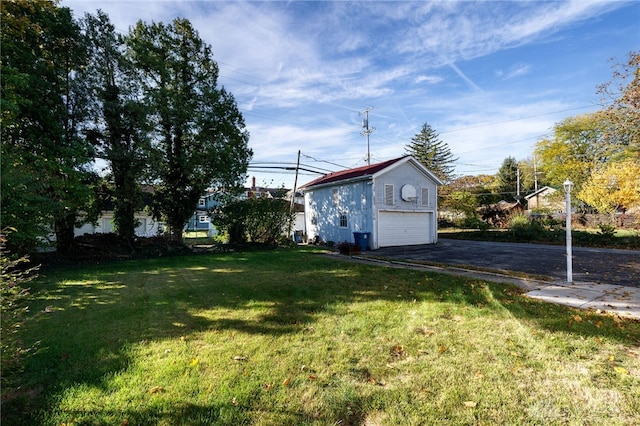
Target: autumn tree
577,149
201,140
45,160
623,91
433,153
613,187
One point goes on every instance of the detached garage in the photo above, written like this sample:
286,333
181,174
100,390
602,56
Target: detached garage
405,228
394,202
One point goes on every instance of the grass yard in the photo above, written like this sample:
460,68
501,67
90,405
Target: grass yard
293,337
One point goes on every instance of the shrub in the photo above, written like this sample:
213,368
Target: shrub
257,220
473,223
524,229
14,275
607,231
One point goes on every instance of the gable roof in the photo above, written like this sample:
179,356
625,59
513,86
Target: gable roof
540,191
365,172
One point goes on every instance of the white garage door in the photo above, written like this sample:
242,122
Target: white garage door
404,228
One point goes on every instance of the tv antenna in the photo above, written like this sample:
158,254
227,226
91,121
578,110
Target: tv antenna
366,130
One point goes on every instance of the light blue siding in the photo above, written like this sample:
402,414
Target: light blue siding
363,199
354,200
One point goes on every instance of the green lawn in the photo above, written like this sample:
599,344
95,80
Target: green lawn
293,337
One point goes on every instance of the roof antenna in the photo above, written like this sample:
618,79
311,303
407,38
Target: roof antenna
366,130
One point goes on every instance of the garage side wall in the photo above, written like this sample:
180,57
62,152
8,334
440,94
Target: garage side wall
333,213
405,207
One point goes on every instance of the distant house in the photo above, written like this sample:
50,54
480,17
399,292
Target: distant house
544,199
201,219
393,202
147,225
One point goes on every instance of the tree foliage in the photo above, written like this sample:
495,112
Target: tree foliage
577,149
624,112
506,180
258,220
612,187
45,161
14,309
201,138
433,153
118,122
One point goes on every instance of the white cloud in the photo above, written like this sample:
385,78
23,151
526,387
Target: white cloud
301,71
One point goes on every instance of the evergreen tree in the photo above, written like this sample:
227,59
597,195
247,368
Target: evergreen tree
507,178
433,153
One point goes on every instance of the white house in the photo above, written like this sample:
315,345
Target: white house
394,202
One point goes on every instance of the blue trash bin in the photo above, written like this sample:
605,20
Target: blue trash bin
362,240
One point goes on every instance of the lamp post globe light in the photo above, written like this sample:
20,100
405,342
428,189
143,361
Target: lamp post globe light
568,185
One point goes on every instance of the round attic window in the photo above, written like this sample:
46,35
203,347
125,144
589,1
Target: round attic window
408,193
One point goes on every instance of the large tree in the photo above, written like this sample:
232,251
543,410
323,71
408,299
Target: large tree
432,152
45,162
578,148
119,119
613,187
623,114
201,138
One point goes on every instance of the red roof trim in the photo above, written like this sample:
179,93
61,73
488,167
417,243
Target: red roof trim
352,173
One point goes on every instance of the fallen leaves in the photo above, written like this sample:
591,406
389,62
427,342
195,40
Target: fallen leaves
398,351
156,389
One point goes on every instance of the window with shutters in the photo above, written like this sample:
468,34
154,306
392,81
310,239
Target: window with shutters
388,195
424,199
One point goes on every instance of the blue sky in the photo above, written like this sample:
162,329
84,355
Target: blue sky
491,77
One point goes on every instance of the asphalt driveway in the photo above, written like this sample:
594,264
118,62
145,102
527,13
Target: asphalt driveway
606,266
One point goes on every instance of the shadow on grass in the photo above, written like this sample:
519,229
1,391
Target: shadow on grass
89,318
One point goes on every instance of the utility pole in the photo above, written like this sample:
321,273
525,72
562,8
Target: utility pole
295,184
293,197
366,130
535,173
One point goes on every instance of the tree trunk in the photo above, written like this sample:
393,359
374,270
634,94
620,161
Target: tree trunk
64,228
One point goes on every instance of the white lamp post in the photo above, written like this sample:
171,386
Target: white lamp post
568,185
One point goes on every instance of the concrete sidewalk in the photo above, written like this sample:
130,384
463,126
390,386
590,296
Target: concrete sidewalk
615,299
605,298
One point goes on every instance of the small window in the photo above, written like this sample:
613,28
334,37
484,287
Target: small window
424,199
388,194
202,202
343,220
334,196
204,219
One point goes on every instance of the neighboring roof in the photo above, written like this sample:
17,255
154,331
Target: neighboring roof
364,171
540,191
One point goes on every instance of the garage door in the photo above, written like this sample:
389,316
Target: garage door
404,228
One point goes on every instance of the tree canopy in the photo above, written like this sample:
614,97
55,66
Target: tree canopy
45,160
201,137
146,103
433,153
